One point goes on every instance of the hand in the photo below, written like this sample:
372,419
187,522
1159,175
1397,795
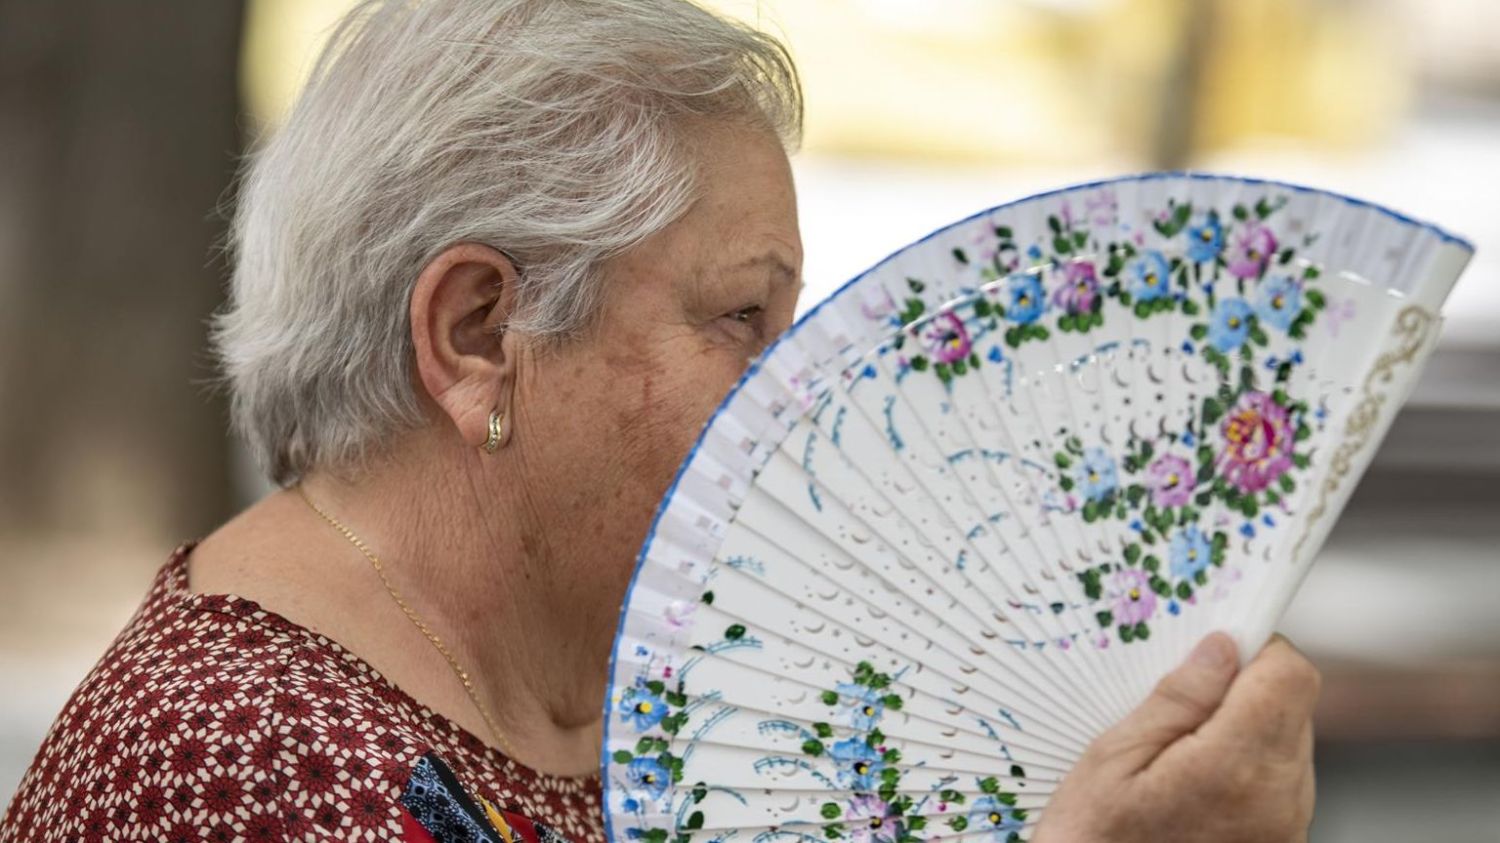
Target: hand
1207,757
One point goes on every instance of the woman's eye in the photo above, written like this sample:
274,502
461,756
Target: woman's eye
746,314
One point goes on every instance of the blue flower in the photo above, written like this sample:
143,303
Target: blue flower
867,706
1027,299
1190,552
1096,475
1205,240
988,813
1149,276
642,709
1279,302
649,775
1229,326
858,763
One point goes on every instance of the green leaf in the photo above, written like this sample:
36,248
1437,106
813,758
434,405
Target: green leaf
1212,410
823,729
1004,232
919,364
1013,337
915,285
694,820
960,367
1090,511
1062,460
1066,323
1198,332
958,254
1142,309
831,810
1132,553
622,756
1105,618
830,698
1301,460
943,372
1152,563
1287,483
1316,299
1017,771
1240,213
958,823
1184,591
989,784
1127,633
735,632
1055,224
892,701
812,747
1062,246
708,597
1065,483
1142,632
656,686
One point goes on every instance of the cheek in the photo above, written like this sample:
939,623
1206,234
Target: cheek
659,420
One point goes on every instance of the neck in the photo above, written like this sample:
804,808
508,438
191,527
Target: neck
473,559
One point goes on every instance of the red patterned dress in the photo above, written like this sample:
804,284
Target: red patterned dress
210,718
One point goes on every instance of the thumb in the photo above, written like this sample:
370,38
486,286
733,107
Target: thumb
1181,702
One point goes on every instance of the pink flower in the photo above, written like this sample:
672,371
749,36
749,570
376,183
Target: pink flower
876,303
1252,248
1258,440
1134,601
1079,289
871,821
946,338
1101,206
1170,480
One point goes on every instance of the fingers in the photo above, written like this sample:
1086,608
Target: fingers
1271,703
1182,701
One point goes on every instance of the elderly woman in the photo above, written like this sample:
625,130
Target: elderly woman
491,278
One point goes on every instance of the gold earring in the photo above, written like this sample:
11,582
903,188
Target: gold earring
492,444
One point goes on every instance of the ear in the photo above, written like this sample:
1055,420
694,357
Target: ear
460,306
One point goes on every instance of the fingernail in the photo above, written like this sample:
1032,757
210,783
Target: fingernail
1216,652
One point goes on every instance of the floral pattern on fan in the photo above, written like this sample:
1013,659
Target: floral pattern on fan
652,768
875,811
1238,282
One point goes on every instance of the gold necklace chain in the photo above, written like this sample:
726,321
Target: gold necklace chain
416,621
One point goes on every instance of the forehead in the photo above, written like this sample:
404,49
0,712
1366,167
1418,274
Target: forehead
745,214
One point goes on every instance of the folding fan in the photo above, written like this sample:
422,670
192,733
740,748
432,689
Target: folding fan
963,516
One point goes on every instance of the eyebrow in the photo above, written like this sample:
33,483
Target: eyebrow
772,261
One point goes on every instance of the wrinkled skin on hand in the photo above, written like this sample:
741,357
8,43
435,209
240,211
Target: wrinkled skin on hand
1214,754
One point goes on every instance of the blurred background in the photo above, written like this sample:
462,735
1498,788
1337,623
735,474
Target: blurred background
121,124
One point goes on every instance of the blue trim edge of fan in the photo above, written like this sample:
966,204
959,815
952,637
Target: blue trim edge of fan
754,367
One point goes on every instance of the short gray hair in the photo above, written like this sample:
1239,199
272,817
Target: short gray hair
554,130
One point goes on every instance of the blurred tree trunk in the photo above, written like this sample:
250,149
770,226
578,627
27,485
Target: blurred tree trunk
118,137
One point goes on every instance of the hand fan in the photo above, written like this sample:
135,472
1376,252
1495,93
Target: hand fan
964,515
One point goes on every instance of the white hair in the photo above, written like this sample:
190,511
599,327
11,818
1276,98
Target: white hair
553,130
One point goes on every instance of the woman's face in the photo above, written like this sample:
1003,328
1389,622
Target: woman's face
603,423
